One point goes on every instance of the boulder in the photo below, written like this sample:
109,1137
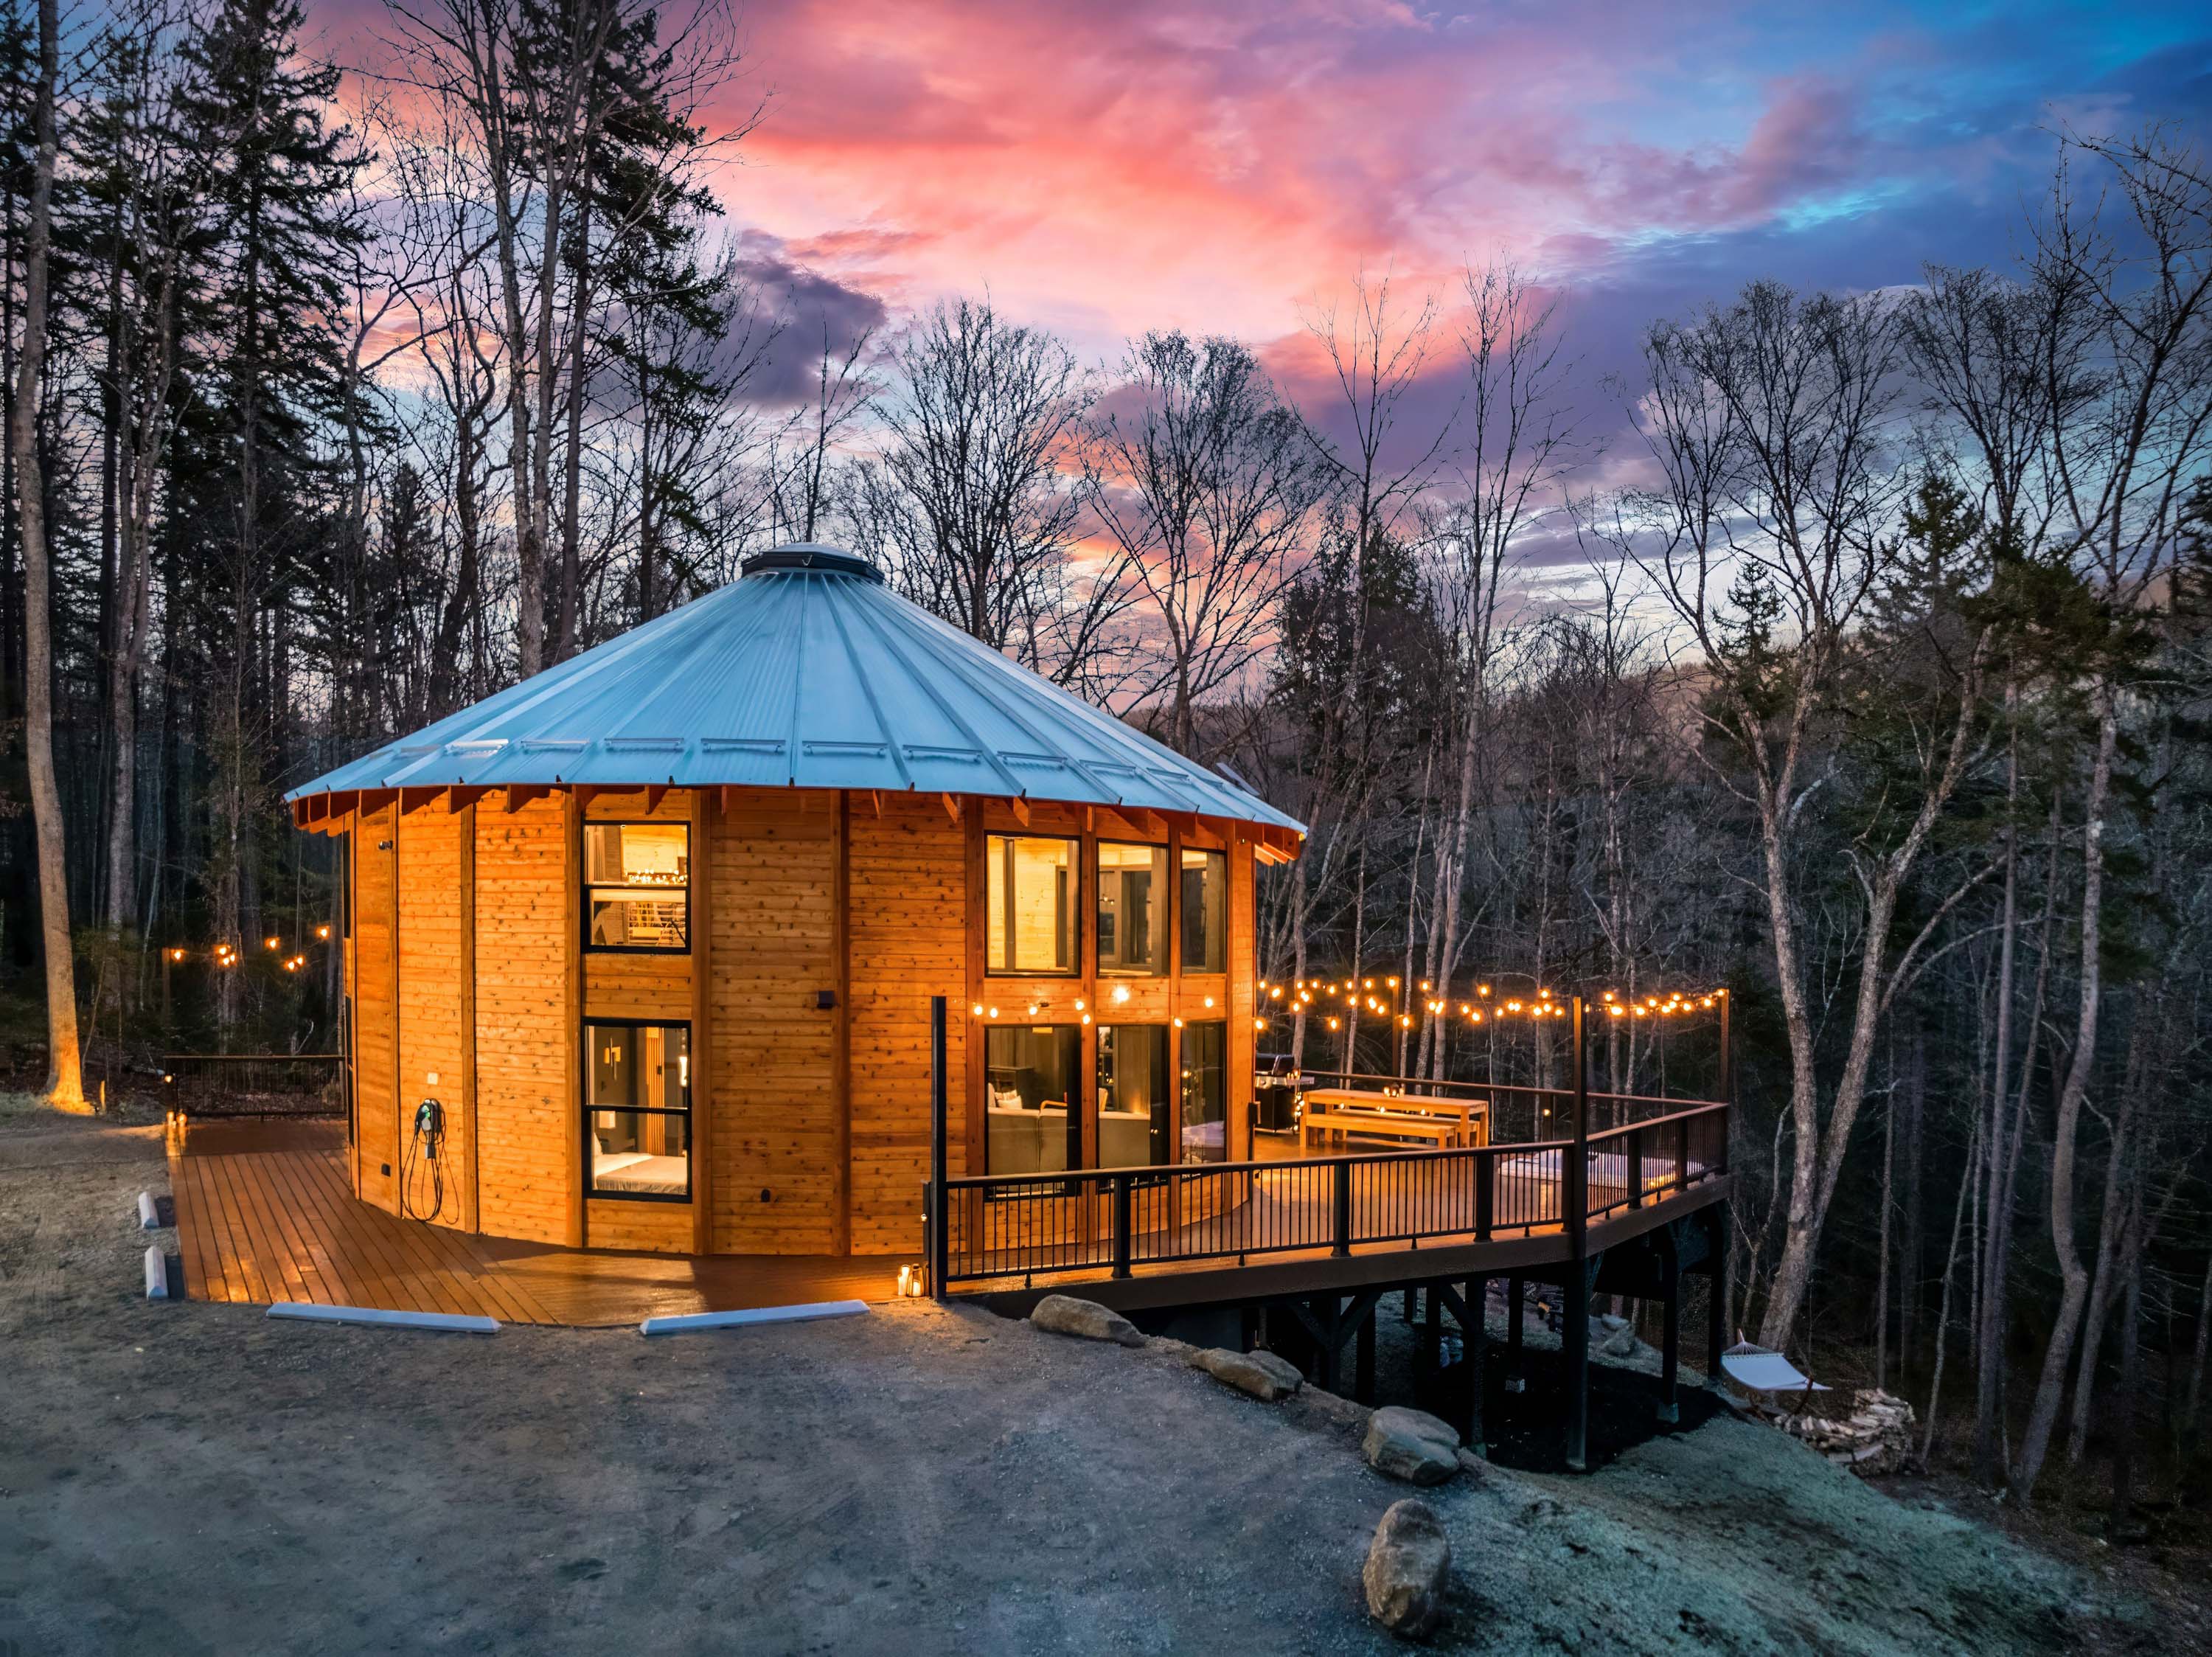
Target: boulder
1063,1314
1263,1375
1412,1444
1408,1568
1621,1343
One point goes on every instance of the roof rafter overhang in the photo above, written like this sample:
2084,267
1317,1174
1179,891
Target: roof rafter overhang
337,811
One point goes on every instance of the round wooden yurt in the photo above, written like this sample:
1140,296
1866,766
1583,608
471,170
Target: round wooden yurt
655,933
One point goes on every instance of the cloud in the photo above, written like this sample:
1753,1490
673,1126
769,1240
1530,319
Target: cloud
808,312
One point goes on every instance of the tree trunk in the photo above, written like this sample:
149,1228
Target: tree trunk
2074,1277
64,1075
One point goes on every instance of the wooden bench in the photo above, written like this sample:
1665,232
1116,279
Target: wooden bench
1445,1130
1354,1109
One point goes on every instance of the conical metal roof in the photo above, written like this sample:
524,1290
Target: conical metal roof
808,671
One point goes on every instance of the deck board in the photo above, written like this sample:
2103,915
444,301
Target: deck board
265,1213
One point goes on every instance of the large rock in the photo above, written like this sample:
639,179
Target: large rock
1063,1314
1263,1375
1412,1444
1408,1569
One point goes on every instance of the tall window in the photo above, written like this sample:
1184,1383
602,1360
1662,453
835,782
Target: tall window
1033,1123
1204,1093
638,1109
637,886
1205,911
1136,1122
1133,919
1031,889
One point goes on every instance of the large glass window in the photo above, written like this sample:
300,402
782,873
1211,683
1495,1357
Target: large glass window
1132,920
1204,1093
638,1109
1031,884
1136,1122
1032,1121
1205,911
637,886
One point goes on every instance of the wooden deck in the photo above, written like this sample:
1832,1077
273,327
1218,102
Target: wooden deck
264,1215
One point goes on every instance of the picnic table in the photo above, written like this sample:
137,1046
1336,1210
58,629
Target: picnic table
1339,1111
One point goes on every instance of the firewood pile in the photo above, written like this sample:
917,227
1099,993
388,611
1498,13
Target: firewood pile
1875,1437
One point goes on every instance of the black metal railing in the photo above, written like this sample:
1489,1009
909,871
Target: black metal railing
1648,1162
252,1084
1112,1220
1109,1222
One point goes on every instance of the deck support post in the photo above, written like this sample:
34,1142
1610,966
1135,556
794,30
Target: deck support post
1717,1262
1363,1355
1577,1217
1671,1337
1517,1315
1474,1347
940,1249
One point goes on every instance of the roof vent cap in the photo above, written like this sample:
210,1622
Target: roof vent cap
809,555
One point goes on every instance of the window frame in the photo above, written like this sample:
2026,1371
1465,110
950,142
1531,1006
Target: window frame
585,887
1182,920
1075,905
1166,902
592,1193
1182,1062
1140,1172
1081,1107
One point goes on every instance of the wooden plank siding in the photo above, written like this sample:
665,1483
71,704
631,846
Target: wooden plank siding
907,874
375,1010
775,1180
435,1046
811,1125
526,1058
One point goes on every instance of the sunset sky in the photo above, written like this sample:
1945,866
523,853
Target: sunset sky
1105,167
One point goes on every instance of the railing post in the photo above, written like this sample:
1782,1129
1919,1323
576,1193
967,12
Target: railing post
1486,1194
1636,1168
1576,1326
1727,1055
1121,1225
940,1244
1577,1210
1682,1154
1340,1172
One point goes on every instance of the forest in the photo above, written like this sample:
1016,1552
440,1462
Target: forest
1852,654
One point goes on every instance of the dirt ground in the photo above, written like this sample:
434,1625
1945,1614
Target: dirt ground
192,1478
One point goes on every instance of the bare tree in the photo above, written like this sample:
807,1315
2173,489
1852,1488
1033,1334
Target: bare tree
1207,486
1771,422
64,1079
161,178
2125,472
972,503
1519,436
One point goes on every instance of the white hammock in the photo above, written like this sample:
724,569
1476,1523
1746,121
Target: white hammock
1757,1370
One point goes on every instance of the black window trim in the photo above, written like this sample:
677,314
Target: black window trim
585,887
592,1193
